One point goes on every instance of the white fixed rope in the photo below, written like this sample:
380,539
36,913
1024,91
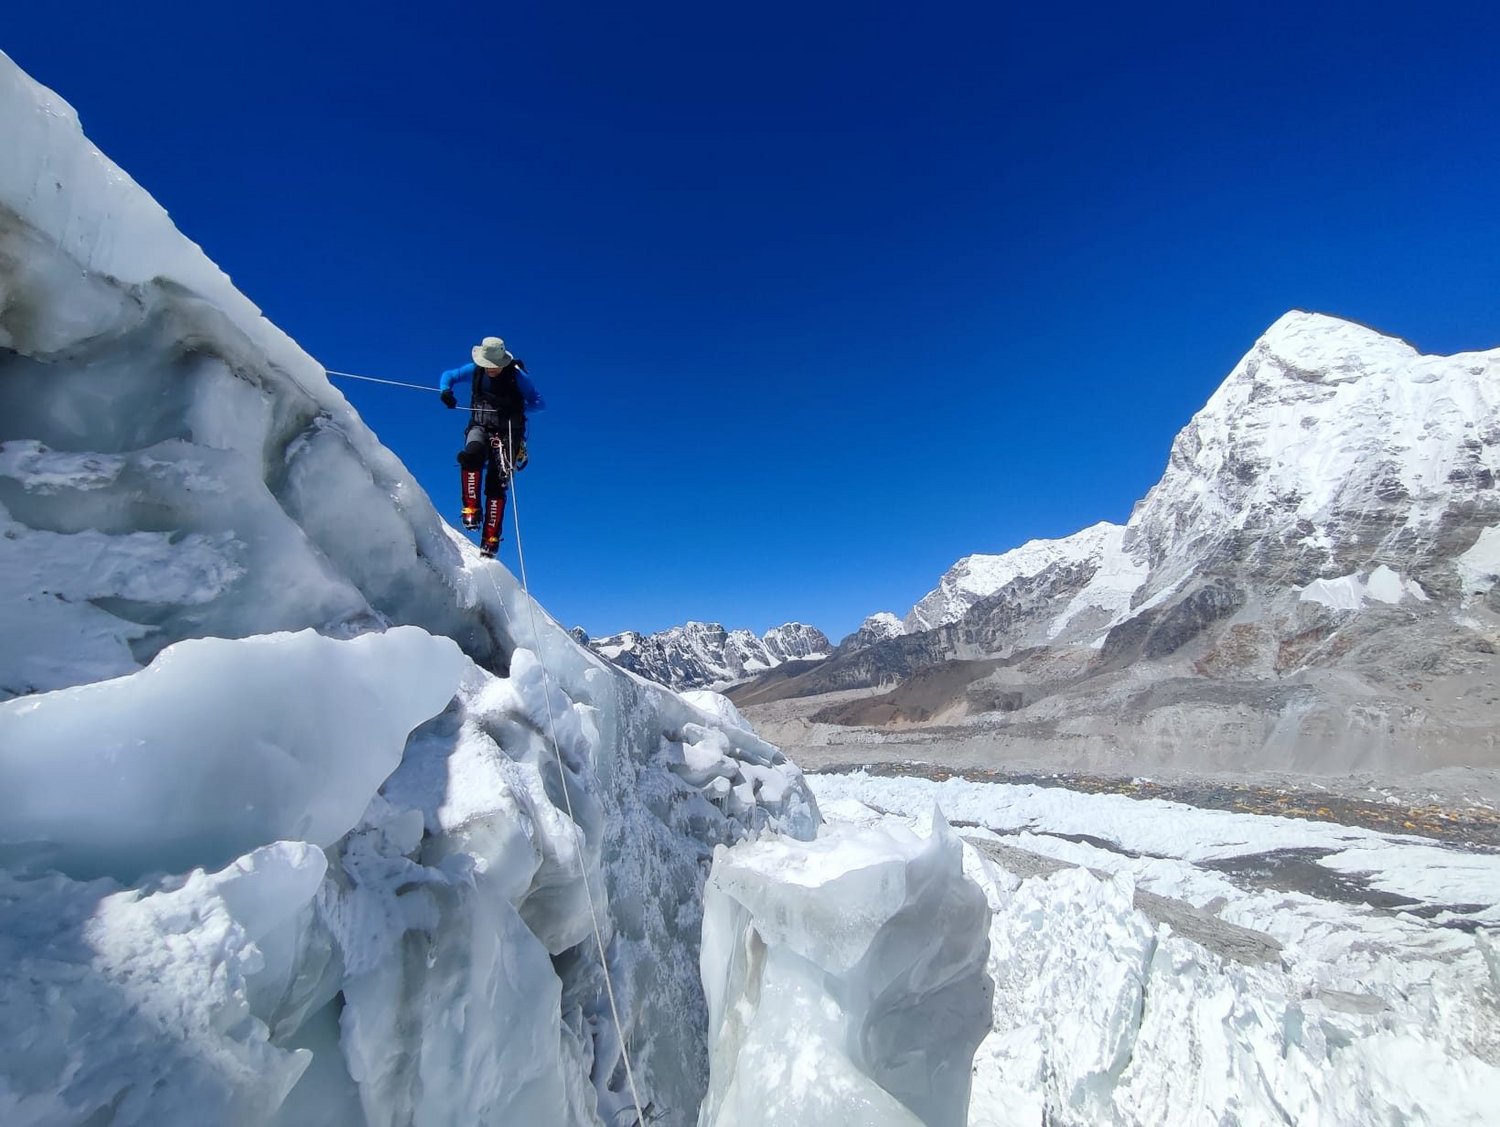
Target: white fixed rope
609,986
372,379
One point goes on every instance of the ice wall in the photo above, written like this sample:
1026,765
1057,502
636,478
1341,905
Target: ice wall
846,980
286,766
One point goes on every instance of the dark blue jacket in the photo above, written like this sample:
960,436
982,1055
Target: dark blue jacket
464,374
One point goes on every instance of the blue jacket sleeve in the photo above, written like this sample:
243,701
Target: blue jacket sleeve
533,398
464,372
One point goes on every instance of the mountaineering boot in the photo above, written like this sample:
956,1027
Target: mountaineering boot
471,498
489,541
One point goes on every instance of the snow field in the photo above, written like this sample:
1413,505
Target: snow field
1480,565
1103,1016
1351,592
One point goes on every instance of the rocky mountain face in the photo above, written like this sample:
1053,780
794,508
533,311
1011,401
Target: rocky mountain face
700,654
1315,569
794,641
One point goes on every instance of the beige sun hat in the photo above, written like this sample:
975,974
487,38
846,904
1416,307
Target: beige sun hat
491,353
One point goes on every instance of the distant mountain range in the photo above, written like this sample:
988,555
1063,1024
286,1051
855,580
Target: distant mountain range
1312,580
704,654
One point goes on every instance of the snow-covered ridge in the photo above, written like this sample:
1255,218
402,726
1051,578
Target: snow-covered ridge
975,578
702,654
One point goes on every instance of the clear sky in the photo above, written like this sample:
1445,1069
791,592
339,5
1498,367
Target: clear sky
823,296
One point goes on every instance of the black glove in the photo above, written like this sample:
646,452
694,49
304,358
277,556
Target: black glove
449,399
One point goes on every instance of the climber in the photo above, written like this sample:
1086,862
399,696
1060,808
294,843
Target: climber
500,395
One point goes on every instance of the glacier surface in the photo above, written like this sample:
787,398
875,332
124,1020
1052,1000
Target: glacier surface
1346,1010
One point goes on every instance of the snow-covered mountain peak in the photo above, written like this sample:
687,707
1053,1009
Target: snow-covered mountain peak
1327,349
882,624
879,627
1331,440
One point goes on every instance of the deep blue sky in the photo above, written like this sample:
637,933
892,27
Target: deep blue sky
822,296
